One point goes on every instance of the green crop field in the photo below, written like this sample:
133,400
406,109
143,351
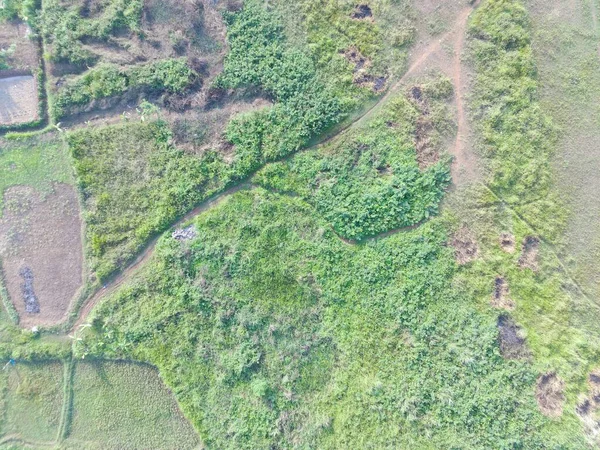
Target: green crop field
319,224
32,396
123,405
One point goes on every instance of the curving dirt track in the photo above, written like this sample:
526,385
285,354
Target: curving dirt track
459,29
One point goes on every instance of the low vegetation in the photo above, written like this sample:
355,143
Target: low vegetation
135,184
125,405
66,26
34,162
105,81
370,182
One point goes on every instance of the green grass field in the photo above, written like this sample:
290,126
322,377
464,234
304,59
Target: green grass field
120,405
35,161
32,398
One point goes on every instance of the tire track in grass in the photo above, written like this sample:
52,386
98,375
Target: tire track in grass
126,274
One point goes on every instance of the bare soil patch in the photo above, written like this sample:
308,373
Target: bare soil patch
549,393
501,296
18,100
41,251
362,12
511,339
507,242
427,154
24,54
530,253
465,247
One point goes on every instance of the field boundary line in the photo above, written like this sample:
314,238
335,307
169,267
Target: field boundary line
67,406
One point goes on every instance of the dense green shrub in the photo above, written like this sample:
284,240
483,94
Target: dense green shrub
369,182
66,26
107,80
305,106
518,138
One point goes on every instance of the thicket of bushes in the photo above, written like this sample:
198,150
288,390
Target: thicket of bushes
272,332
369,182
109,80
518,138
66,26
305,105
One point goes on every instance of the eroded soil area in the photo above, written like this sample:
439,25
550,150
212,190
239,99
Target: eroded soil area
41,252
18,100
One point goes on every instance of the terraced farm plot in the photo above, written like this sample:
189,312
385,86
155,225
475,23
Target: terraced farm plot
120,405
40,229
18,100
42,258
32,402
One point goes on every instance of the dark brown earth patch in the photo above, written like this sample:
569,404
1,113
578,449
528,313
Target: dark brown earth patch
362,76
549,393
465,246
41,252
427,154
362,12
501,297
510,339
507,242
530,253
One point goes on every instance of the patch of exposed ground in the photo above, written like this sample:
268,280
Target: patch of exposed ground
511,339
18,100
361,71
507,242
501,296
41,252
427,154
23,53
465,246
362,12
549,393
530,253
445,54
589,405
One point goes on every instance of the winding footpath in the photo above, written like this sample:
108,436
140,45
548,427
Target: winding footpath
459,29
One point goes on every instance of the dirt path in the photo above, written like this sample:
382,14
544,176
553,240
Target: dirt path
464,166
459,28
118,280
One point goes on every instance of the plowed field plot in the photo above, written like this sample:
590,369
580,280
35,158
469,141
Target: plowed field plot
40,247
18,100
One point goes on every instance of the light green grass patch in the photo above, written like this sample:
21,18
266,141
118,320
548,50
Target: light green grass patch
37,162
119,405
32,400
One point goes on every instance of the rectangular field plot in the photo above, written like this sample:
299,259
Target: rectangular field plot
18,100
31,401
119,405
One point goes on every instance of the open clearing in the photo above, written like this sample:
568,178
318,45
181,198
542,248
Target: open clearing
118,405
89,405
40,247
18,100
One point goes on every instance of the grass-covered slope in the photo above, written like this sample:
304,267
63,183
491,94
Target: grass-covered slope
273,332
370,181
135,183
